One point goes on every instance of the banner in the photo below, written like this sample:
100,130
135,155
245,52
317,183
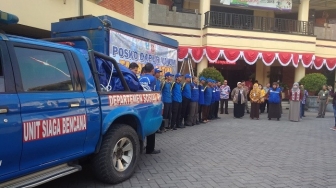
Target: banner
283,5
126,49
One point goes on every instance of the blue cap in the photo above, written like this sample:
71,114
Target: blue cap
168,74
178,75
187,76
157,70
208,80
202,78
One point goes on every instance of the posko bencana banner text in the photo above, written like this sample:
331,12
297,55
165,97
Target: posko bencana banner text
126,49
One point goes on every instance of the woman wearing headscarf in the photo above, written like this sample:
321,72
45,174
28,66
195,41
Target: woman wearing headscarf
295,97
255,96
262,99
274,100
238,97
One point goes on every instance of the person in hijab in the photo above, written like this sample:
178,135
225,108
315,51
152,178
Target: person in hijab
255,97
238,96
274,100
262,100
295,97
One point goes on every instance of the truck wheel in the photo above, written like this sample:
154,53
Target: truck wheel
118,155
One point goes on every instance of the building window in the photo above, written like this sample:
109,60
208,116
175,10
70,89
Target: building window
153,1
140,1
43,70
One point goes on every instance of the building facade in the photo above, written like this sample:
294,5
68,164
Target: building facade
241,39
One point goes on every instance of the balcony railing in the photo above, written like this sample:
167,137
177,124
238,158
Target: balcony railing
257,23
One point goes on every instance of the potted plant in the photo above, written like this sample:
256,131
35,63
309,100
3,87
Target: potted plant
313,84
212,73
284,87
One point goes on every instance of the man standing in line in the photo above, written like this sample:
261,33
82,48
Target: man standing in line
167,99
207,101
201,99
212,105
224,97
217,99
177,102
267,88
157,75
322,98
247,90
193,102
148,82
186,96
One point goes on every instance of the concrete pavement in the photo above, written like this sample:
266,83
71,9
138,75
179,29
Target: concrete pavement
235,153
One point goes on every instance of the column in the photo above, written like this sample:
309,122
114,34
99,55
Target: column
202,65
267,71
145,12
259,75
204,7
303,15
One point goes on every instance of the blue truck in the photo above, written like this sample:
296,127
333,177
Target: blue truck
54,112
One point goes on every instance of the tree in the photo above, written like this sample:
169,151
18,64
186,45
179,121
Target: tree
212,73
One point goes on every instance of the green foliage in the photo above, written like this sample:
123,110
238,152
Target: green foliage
212,73
283,86
313,82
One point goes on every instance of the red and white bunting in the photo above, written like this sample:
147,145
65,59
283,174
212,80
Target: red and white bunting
251,57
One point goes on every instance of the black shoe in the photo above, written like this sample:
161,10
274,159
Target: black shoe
318,117
303,116
226,112
197,123
247,112
322,117
217,117
174,129
278,119
181,127
156,151
159,132
269,118
187,125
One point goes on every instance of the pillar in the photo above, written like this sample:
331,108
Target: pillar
202,65
145,15
204,7
303,15
259,75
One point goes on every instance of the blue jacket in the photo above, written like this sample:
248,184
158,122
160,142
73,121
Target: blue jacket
194,92
217,94
207,95
274,96
177,92
158,85
186,90
201,95
148,82
166,92
214,95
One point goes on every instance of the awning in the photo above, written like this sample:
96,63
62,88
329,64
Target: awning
252,56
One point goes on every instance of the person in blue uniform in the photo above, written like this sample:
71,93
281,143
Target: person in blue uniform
274,99
186,96
201,98
157,75
207,101
193,110
217,99
177,102
212,104
167,99
148,82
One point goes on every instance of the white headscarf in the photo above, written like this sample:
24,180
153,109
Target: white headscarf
295,87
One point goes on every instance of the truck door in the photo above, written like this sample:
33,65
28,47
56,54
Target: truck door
52,104
10,120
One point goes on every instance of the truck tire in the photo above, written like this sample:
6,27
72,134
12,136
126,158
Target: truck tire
118,155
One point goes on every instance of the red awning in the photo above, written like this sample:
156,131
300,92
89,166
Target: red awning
252,56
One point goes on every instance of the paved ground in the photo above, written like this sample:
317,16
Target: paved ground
235,153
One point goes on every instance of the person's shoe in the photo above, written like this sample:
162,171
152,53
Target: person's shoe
197,123
174,129
159,132
156,151
278,119
217,117
226,112
322,116
318,117
221,113
303,116
181,127
269,118
187,125
248,112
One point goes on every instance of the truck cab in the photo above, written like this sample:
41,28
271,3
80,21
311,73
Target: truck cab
53,113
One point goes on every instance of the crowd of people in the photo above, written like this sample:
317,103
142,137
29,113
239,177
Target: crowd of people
200,100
